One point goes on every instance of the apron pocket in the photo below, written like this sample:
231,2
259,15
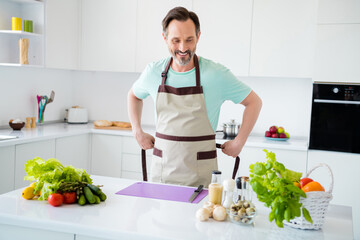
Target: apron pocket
205,155
157,152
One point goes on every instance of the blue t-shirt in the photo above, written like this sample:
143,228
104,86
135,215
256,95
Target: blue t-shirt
218,83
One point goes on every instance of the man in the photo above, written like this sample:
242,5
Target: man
188,92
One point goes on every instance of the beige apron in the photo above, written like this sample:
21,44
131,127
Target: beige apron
185,148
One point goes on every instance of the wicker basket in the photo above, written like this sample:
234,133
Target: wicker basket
316,203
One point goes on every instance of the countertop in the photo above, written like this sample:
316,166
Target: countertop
128,217
58,130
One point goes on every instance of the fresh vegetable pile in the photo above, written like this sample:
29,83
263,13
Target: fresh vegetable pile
274,185
60,184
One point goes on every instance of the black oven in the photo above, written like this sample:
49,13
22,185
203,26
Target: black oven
335,117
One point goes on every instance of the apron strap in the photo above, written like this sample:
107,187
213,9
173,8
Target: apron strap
236,165
197,71
143,164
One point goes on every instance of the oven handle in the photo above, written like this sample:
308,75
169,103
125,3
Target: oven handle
336,101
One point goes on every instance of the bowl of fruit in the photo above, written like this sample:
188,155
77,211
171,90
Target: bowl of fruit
277,134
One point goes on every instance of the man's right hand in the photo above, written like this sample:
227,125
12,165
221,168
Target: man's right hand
145,140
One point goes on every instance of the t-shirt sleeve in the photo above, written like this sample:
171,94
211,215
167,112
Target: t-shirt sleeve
232,88
140,87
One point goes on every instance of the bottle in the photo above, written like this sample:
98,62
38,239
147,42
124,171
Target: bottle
215,188
229,186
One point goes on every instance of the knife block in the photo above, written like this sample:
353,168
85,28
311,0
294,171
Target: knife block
24,49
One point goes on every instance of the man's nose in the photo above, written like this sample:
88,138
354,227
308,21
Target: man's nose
182,47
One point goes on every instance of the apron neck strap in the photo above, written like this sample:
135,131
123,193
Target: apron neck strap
197,71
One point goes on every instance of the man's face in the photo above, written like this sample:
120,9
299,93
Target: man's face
181,40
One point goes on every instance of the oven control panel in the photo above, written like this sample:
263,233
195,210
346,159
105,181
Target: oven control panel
336,92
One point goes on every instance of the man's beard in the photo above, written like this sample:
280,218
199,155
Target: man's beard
182,61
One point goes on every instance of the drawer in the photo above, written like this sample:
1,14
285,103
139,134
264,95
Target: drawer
130,145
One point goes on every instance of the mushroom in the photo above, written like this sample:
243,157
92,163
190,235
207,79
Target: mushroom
219,213
203,214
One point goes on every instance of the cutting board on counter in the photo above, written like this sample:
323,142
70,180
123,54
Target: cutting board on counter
113,128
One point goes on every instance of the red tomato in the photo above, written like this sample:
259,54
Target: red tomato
56,199
305,181
69,197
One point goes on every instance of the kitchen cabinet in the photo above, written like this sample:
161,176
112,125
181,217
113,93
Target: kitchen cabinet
62,33
108,35
283,38
227,39
18,232
337,55
9,48
74,150
28,151
7,175
338,11
150,45
106,155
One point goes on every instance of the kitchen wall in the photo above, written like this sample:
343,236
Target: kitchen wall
286,102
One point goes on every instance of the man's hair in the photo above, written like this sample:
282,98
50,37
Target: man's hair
180,14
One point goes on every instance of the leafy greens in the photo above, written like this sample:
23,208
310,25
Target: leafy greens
274,185
49,174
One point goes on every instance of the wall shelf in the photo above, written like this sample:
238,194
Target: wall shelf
21,33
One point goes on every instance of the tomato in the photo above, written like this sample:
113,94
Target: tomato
69,197
297,184
305,181
56,199
313,186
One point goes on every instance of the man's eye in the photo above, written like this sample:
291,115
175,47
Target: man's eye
176,41
189,40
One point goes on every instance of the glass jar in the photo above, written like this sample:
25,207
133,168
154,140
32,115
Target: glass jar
215,188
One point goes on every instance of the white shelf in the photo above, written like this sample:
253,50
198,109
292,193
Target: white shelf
27,1
21,33
20,65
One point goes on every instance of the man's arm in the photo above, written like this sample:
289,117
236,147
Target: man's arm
252,105
135,105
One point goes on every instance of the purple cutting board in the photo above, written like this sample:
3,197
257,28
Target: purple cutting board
161,191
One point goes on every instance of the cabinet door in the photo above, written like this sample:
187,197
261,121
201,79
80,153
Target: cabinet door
339,11
337,56
108,35
7,163
283,38
74,151
62,34
226,37
18,232
28,151
106,155
150,45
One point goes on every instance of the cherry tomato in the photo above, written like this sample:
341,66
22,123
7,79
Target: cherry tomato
305,181
69,197
56,199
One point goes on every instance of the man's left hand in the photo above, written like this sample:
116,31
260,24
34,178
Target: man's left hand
232,148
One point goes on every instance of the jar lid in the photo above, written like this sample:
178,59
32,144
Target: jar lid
216,172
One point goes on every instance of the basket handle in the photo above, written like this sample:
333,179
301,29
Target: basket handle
330,173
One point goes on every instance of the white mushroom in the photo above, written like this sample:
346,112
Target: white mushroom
203,214
219,213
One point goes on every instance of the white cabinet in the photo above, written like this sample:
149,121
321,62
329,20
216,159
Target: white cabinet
339,11
16,232
106,155
28,151
7,163
74,150
283,38
337,57
108,35
9,47
62,34
225,32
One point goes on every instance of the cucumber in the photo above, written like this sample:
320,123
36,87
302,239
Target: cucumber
97,199
102,196
82,200
94,189
89,195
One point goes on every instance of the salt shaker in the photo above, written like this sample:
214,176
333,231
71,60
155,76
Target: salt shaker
229,186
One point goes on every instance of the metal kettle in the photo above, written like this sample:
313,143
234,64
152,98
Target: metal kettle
231,129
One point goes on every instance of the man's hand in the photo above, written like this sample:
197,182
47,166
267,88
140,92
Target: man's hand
145,140
232,148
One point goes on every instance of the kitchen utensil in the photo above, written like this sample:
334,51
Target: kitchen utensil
17,126
49,100
42,105
196,193
162,191
231,129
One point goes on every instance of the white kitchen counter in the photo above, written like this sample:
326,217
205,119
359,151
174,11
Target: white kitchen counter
129,217
57,130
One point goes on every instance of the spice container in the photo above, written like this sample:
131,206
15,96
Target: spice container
229,186
215,188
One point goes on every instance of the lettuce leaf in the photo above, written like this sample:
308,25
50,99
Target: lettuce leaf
49,174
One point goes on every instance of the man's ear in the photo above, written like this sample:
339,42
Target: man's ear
198,36
164,36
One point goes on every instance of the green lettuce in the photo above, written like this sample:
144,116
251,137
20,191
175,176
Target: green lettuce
49,174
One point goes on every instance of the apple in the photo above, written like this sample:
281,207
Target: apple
280,130
274,135
267,134
287,135
305,181
282,135
273,129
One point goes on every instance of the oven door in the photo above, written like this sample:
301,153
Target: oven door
335,125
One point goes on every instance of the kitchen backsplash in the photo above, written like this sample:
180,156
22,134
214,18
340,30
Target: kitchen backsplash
286,102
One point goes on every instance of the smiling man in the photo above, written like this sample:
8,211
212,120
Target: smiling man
188,92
